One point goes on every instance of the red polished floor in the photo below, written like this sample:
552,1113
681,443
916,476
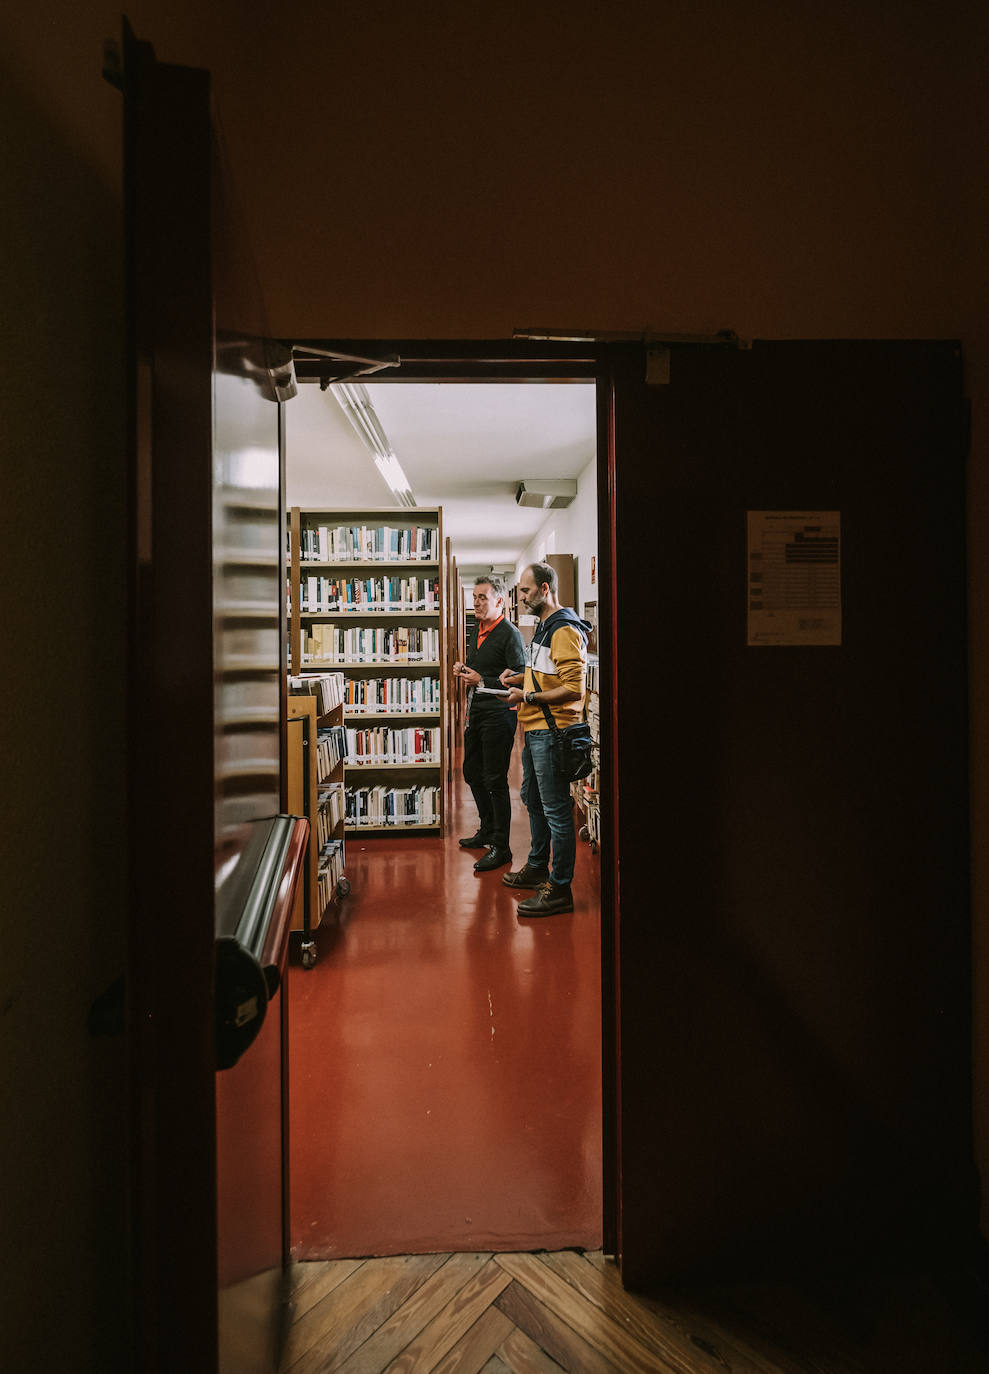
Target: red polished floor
445,1084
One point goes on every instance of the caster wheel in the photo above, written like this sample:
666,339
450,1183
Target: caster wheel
308,957
343,887
585,834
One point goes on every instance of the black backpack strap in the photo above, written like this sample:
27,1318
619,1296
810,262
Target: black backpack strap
549,720
549,714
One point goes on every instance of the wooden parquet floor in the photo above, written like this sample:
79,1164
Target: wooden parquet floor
536,1313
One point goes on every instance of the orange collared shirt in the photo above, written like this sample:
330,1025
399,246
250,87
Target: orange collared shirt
483,634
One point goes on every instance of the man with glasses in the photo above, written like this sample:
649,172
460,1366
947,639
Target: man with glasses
489,734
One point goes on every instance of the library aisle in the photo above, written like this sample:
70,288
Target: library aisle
445,1087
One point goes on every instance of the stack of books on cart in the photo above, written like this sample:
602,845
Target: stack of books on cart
327,688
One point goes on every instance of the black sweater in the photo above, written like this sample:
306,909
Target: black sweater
502,648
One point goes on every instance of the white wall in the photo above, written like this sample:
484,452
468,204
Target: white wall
571,530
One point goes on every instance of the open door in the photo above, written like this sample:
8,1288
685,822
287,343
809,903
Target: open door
792,872
205,742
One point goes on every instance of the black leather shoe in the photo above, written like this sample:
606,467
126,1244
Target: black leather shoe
478,841
494,858
527,876
551,899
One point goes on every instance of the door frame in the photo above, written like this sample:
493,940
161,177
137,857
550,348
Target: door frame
497,361
170,969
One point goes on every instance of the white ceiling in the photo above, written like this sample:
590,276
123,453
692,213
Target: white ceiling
462,446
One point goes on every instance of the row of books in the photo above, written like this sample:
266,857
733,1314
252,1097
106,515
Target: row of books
353,594
330,811
588,799
398,694
381,543
370,644
328,688
586,792
388,744
387,806
329,871
331,747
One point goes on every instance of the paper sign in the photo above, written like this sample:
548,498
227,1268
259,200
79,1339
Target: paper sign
793,577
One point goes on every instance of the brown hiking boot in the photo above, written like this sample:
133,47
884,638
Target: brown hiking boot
526,876
551,899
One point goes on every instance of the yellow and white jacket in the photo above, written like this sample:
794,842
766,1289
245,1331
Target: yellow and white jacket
556,656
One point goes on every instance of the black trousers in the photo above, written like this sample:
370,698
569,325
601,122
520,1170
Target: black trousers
488,742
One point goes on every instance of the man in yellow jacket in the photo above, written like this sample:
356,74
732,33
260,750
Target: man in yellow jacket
554,678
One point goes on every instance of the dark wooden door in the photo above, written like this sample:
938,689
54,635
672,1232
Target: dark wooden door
792,850
205,712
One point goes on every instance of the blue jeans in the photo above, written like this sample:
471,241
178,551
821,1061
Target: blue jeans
547,798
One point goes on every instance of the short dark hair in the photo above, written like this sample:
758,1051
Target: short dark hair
495,583
542,572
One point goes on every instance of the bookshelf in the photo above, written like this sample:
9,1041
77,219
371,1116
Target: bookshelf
586,791
316,789
455,651
367,599
525,623
565,566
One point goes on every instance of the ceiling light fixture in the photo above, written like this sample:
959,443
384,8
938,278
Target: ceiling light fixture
355,402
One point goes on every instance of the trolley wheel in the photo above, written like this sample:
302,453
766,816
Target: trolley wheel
584,833
308,956
343,887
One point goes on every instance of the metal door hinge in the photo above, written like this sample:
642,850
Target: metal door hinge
350,365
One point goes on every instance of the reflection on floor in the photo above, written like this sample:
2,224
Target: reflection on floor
445,1081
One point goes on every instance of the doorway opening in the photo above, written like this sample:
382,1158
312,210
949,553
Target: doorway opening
446,1056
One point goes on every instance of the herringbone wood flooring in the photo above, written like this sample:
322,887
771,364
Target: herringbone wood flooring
536,1313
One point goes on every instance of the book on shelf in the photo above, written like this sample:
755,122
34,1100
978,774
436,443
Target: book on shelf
331,808
384,627
593,678
382,806
376,744
330,866
321,595
327,688
366,543
331,747
331,643
386,695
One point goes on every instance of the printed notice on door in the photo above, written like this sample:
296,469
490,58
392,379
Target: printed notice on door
794,577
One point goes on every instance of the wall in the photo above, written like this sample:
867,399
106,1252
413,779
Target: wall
64,1295
440,170
571,530
61,737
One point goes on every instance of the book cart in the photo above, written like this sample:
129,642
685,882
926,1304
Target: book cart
316,790
367,595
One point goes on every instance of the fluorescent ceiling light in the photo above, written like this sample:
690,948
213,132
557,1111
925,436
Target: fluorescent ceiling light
356,404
